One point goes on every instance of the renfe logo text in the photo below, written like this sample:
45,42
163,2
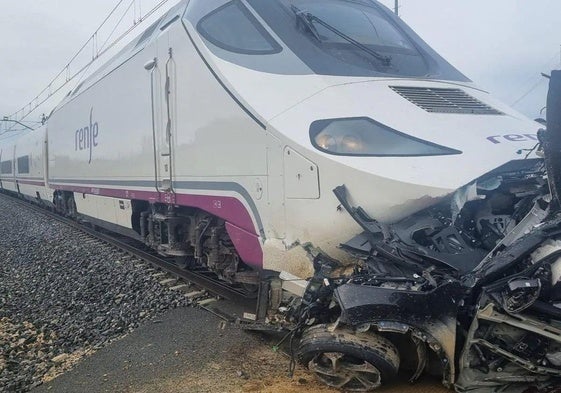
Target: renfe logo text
86,137
496,139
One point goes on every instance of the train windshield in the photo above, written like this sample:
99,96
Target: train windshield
342,37
327,37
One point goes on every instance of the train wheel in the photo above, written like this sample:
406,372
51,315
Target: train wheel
356,362
185,262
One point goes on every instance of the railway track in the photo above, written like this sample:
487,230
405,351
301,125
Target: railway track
201,287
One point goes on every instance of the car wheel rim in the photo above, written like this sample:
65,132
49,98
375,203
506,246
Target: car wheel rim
346,372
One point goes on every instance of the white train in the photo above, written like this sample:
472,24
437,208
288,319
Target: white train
256,121
219,134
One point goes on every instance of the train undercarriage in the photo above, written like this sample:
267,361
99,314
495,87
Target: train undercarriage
195,238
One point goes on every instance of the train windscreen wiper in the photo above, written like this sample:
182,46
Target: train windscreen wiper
308,19
305,17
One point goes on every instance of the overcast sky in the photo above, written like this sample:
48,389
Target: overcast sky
502,45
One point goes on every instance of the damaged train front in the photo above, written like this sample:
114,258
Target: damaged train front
469,289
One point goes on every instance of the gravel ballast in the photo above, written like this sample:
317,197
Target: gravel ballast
64,295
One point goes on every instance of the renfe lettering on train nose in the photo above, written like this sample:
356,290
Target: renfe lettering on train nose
496,139
86,137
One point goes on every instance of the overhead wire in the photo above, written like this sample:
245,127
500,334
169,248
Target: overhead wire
529,91
68,63
133,2
97,52
538,82
84,71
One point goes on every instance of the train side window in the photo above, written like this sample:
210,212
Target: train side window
23,164
232,27
6,167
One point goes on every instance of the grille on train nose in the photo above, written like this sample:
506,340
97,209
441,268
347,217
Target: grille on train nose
441,100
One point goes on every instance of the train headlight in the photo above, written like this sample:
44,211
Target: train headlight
352,142
326,141
362,136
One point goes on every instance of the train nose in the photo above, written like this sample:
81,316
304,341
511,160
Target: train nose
482,133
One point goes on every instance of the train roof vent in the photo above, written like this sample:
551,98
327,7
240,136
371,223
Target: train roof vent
439,100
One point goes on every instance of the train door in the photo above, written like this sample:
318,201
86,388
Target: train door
162,82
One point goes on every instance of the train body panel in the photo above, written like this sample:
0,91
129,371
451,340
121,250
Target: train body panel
92,139
504,134
112,210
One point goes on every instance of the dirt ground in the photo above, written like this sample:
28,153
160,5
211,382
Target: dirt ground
264,372
189,351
